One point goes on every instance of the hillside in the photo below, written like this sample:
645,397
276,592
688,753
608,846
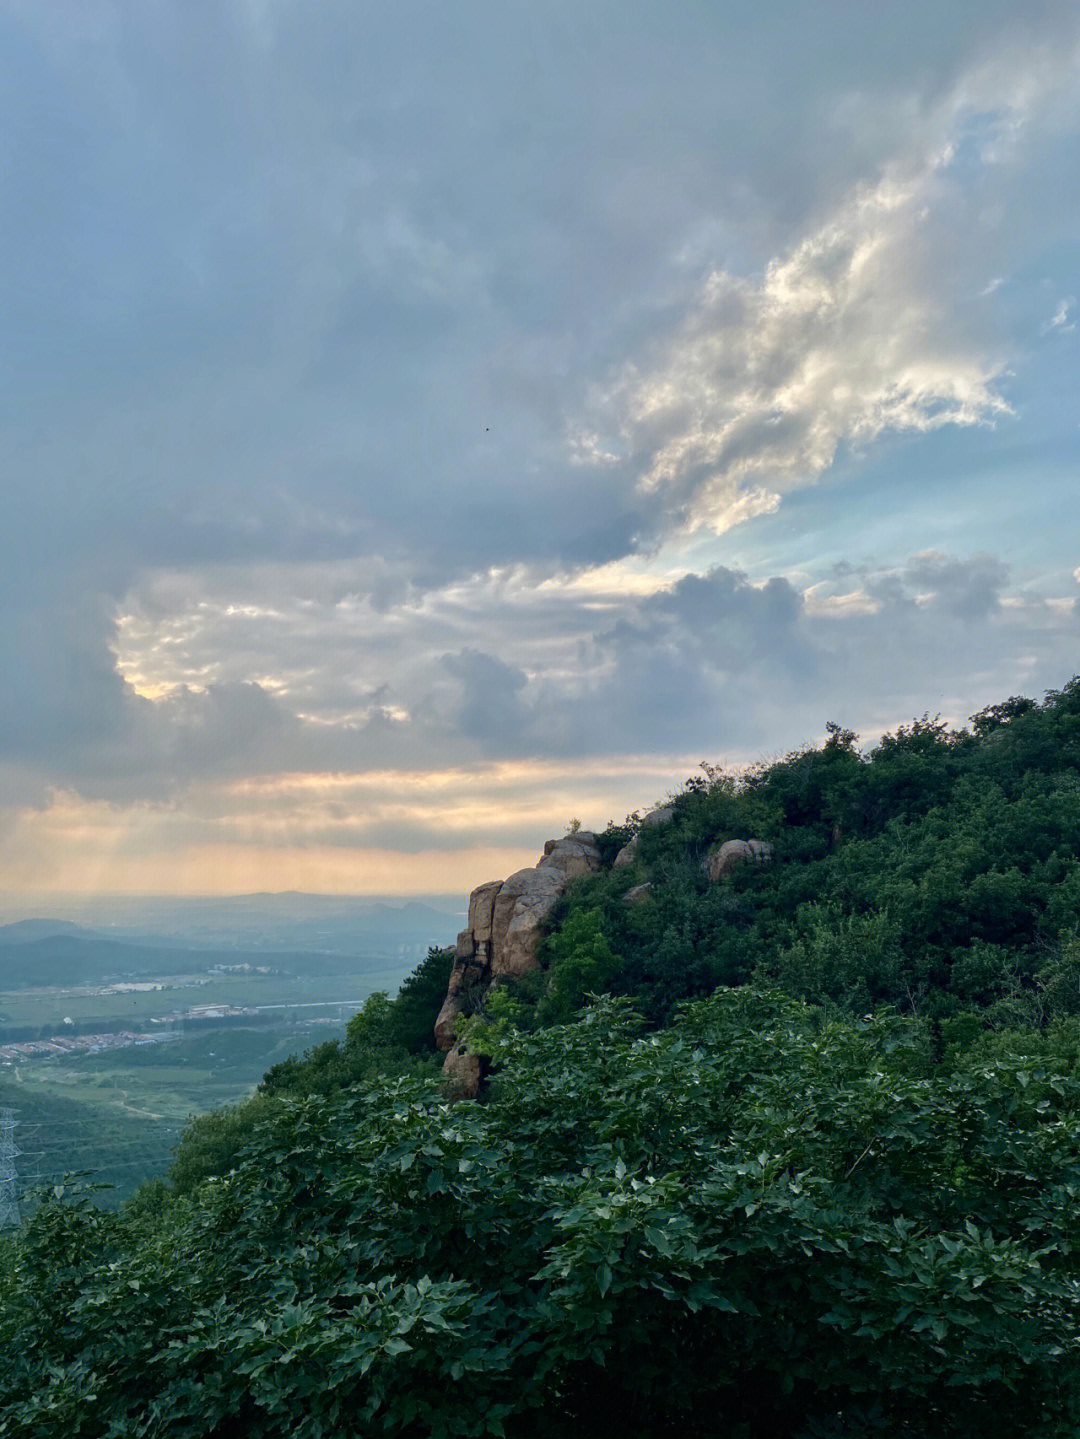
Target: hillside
298,935
770,1140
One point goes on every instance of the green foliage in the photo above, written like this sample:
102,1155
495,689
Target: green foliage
612,838
380,1038
385,1037
211,1143
757,1220
418,1001
812,1168
580,963
939,874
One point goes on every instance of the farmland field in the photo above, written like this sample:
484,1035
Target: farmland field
49,1007
118,1113
111,1040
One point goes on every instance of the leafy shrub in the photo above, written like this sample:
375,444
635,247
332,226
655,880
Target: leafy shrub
741,1213
757,1221
211,1143
938,873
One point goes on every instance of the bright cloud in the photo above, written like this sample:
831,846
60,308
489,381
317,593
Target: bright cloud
840,340
386,468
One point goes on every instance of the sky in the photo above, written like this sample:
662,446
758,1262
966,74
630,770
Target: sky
424,424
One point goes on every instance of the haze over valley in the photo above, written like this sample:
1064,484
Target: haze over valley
111,1038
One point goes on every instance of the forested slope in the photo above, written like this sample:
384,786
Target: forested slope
811,1168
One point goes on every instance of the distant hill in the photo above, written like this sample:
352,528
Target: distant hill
36,952
69,959
332,924
23,931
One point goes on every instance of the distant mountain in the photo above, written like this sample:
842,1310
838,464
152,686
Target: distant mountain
26,930
68,959
56,952
290,920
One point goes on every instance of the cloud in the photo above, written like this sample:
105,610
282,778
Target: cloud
1060,318
969,589
597,666
857,329
499,746
722,663
483,702
353,423
839,341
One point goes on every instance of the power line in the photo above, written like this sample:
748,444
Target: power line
48,1175
9,1204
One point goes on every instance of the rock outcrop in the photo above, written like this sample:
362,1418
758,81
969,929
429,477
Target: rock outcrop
628,854
506,921
734,852
663,814
502,939
638,895
521,906
469,972
463,1072
575,855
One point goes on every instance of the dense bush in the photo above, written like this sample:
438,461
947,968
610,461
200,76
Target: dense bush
836,1196
940,873
756,1221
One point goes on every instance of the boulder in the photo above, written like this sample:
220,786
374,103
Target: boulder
481,909
663,814
582,836
524,902
731,853
575,855
638,895
734,852
447,1018
463,1072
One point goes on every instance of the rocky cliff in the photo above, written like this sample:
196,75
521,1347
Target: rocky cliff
505,919
506,923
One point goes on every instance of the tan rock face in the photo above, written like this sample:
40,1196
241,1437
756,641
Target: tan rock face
505,924
524,902
627,854
734,852
463,1072
447,1019
481,909
467,972
575,855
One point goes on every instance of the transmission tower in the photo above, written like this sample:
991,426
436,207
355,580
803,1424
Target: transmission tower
9,1204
